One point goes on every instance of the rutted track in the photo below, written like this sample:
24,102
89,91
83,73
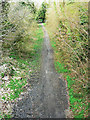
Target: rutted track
48,96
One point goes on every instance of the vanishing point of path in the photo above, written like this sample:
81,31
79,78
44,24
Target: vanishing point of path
48,96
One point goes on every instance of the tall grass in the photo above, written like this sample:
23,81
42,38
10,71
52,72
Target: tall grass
68,28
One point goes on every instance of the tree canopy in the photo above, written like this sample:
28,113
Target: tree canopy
41,14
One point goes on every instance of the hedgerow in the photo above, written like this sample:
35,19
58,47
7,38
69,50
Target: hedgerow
67,25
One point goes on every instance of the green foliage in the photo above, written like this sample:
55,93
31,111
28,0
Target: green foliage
44,24
17,87
5,6
83,16
2,75
30,5
60,67
68,29
16,27
41,14
5,116
26,62
22,41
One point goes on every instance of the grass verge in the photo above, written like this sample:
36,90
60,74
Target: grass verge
77,93
18,71
77,96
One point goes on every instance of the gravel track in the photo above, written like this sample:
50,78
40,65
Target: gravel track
48,97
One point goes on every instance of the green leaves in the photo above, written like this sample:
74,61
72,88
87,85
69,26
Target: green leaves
60,67
2,75
41,14
17,87
3,97
70,49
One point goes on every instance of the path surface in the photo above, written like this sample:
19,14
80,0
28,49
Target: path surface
47,98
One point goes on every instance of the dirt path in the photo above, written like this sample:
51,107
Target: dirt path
47,98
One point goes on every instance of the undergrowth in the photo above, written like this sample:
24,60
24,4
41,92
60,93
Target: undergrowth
67,26
77,97
19,70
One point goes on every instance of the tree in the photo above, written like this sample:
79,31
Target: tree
30,5
42,12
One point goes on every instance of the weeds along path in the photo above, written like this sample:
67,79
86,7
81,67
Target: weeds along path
48,97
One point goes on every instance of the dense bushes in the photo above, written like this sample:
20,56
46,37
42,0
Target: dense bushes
41,13
21,49
68,28
18,26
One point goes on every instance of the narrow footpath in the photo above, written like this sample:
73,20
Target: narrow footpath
48,97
